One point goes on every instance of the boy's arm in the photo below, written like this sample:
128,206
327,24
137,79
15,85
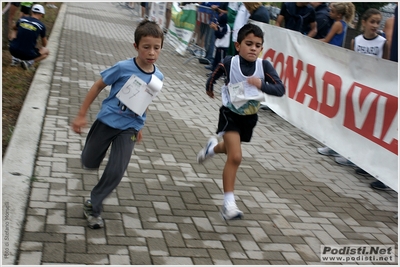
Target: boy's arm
272,84
80,119
44,41
215,75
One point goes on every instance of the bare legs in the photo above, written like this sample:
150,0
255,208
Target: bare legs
232,148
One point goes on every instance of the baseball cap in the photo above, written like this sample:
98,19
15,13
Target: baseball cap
38,9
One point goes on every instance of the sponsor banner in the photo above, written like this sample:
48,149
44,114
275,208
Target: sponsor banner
358,253
181,27
344,99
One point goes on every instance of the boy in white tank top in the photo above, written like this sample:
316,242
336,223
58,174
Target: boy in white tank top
237,119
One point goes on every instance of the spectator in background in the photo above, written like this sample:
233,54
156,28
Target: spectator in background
370,21
29,29
324,21
336,35
394,49
11,15
26,8
257,11
144,7
388,31
204,15
222,40
298,16
342,13
241,19
370,42
167,16
232,11
219,9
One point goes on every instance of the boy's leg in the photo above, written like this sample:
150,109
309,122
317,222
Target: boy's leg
97,143
120,155
44,52
232,145
234,158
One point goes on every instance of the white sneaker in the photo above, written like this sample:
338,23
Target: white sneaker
203,155
15,61
230,211
326,151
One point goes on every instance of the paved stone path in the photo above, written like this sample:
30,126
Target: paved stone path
166,209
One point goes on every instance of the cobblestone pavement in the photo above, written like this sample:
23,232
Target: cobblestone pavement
166,209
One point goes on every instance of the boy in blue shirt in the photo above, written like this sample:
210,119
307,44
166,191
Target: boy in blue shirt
116,125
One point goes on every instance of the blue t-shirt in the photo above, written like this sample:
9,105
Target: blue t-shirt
112,112
29,30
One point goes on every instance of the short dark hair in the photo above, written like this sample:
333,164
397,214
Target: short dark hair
148,28
247,29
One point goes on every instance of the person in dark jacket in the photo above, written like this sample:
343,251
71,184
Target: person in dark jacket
222,34
257,11
324,22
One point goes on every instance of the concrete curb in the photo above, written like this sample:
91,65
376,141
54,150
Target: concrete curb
17,170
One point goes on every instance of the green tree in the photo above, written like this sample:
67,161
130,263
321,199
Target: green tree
361,7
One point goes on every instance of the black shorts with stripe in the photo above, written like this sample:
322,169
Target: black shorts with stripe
243,124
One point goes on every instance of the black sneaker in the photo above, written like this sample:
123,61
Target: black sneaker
360,171
379,186
93,222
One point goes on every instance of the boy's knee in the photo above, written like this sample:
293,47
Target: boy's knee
235,159
44,52
88,164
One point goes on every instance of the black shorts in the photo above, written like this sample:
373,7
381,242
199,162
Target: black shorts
232,122
26,10
25,56
17,4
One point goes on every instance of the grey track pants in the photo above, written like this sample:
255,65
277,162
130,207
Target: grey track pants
99,139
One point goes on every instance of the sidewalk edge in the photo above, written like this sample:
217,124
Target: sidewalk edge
19,159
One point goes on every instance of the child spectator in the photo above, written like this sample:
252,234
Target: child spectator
116,125
342,13
370,42
236,123
23,47
222,39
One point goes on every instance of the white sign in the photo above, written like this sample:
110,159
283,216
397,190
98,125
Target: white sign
137,95
344,99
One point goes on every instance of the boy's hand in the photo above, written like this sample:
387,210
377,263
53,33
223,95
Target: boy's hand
78,123
210,93
139,136
255,81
